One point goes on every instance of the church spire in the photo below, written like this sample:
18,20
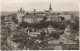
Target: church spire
50,8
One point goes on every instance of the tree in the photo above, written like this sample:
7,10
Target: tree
54,24
27,13
14,18
2,17
62,26
55,34
77,23
75,26
42,35
62,18
45,18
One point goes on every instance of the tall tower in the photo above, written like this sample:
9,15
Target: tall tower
50,8
34,11
21,10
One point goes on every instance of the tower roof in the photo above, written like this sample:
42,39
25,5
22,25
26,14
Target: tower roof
21,8
50,8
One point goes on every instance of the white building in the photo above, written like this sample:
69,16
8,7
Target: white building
38,18
29,20
20,14
7,20
32,18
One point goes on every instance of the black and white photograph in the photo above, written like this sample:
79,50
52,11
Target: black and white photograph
39,25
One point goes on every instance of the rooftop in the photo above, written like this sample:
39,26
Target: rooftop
31,16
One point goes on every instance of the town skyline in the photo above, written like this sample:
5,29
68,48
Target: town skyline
40,5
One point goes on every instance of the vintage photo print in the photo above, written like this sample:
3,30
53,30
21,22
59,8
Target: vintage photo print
39,25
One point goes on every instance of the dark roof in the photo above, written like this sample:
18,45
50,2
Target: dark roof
72,21
18,32
39,16
36,16
6,20
28,16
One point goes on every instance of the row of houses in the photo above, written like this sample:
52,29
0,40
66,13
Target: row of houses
36,16
6,21
63,38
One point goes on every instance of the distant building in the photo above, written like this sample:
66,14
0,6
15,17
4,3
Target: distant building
28,18
19,17
13,26
21,11
38,18
7,20
32,18
66,16
54,18
20,14
51,15
50,8
34,11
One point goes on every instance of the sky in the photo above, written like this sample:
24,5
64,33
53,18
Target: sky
39,5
